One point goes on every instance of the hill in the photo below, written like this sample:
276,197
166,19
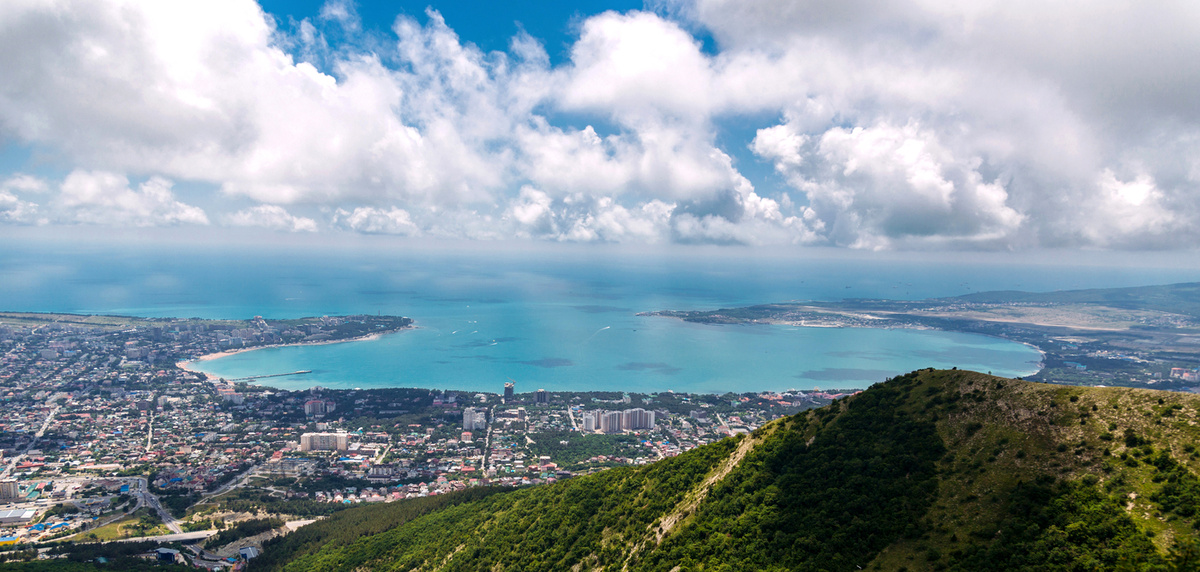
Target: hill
933,470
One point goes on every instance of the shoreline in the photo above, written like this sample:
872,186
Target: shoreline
187,365
923,328
1041,364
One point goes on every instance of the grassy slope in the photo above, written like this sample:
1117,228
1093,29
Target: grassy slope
932,470
1003,434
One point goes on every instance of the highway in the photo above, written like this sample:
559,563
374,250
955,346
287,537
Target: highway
180,537
146,498
234,482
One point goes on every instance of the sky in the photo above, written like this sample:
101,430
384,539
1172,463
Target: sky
903,125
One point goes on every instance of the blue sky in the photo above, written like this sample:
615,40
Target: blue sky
489,25
899,125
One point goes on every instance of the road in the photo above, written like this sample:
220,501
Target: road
139,490
181,537
234,482
487,440
724,425
146,498
32,442
150,431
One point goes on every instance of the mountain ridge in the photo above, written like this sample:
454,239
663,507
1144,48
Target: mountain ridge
933,470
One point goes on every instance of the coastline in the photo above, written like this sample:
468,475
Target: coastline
187,365
1041,365
1041,360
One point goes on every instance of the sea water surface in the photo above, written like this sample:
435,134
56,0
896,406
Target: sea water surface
563,321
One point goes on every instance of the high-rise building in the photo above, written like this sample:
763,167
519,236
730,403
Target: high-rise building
474,419
314,407
324,441
542,397
610,422
8,489
509,389
638,418
617,421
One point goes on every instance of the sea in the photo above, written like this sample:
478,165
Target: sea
555,318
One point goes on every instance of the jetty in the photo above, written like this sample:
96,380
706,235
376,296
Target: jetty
248,378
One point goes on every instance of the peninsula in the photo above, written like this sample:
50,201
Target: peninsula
1135,337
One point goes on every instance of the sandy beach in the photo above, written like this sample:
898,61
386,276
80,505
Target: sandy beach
187,365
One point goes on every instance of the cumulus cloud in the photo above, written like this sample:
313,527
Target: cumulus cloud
12,208
99,197
873,186
23,183
373,220
898,124
586,218
272,217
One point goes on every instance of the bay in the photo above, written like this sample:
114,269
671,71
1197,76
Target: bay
563,320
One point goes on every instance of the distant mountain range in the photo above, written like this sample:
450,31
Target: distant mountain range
932,470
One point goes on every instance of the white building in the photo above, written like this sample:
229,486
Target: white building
324,441
474,420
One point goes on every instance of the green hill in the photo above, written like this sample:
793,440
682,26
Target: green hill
933,470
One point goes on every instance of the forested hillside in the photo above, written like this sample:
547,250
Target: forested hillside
934,470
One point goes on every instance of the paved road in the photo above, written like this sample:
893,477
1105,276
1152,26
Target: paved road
32,442
181,537
723,424
234,482
141,491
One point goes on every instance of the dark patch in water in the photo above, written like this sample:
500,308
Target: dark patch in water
656,367
549,362
478,357
868,355
846,374
598,309
485,343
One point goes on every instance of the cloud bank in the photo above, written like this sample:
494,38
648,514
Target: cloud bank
897,125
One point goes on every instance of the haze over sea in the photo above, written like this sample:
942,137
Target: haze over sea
560,319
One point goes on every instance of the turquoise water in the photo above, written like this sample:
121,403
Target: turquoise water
567,349
563,320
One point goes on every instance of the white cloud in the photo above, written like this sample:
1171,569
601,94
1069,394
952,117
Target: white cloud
15,210
585,218
343,12
899,124
99,197
637,65
1131,211
874,186
273,217
25,184
373,220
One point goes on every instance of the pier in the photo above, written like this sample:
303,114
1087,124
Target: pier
248,378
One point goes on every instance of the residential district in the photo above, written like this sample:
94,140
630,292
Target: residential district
105,435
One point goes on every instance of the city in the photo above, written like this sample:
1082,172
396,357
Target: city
105,436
